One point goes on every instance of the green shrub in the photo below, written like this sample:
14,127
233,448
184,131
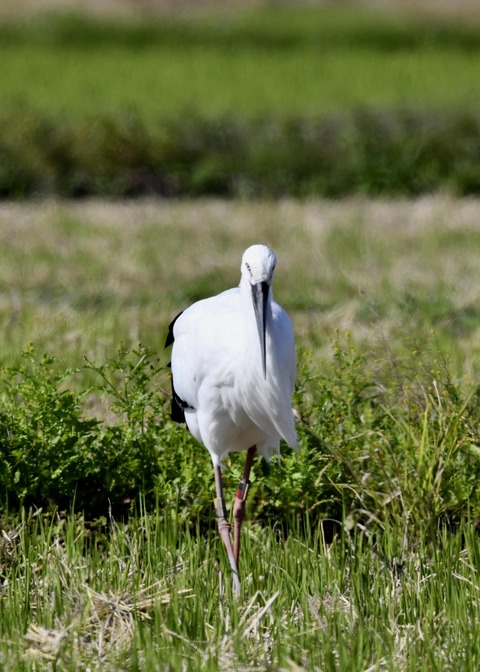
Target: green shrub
372,455
370,151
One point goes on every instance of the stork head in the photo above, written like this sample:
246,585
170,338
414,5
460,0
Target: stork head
258,264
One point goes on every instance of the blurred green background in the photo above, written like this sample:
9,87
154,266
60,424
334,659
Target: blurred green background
261,98
275,60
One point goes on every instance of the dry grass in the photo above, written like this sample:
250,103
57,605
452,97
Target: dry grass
466,10
122,8
83,278
97,624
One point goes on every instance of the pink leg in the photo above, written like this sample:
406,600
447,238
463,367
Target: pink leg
224,528
239,505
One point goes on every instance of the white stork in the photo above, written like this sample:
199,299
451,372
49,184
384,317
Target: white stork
233,374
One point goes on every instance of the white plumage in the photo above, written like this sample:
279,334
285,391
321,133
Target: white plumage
233,370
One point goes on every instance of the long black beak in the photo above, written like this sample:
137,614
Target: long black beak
260,305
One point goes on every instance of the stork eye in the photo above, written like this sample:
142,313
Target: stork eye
248,267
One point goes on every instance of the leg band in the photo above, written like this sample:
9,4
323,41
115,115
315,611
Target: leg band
220,508
242,490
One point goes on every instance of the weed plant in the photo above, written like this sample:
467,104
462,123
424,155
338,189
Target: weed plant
383,458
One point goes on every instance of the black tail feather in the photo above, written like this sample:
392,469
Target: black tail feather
170,337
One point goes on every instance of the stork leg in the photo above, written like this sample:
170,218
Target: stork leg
240,499
224,527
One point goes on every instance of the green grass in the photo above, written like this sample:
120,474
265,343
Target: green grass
388,420
163,82
281,62
150,597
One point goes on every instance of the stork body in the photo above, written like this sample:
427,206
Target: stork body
233,374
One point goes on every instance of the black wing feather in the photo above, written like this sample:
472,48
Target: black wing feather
178,405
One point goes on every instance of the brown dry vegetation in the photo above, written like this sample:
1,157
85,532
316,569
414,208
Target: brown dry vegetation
460,9
83,278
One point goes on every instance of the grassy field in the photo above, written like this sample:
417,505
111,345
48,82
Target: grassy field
276,61
397,275
398,588
153,598
361,551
